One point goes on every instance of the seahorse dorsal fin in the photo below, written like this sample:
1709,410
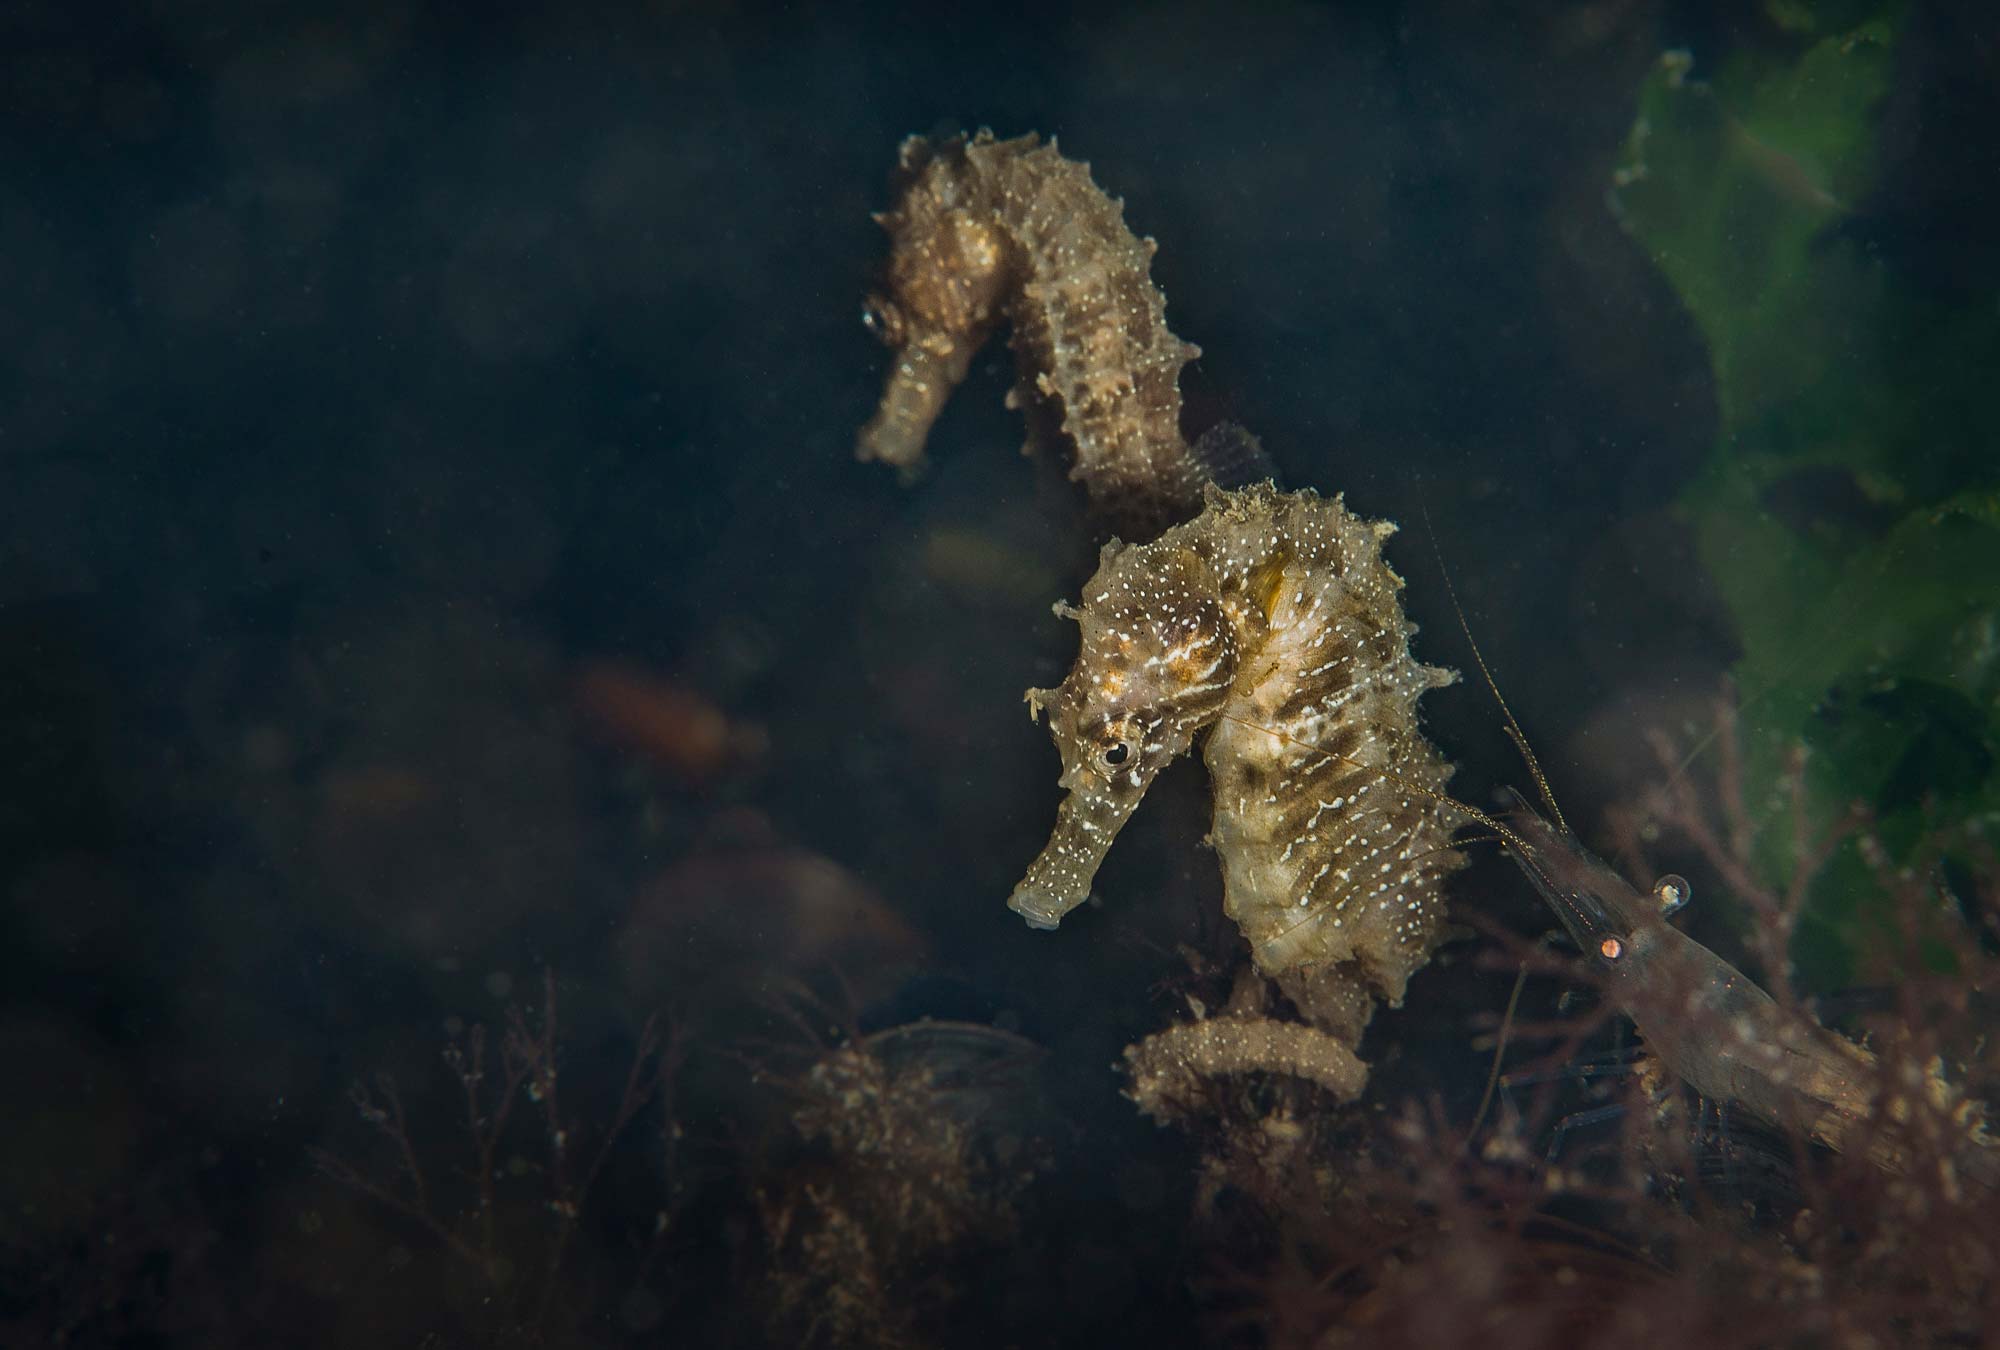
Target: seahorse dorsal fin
1267,583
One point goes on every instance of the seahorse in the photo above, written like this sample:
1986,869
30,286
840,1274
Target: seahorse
1268,623
985,231
1271,624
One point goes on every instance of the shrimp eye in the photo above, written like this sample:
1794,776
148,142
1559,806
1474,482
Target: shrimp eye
1671,892
1611,948
1117,753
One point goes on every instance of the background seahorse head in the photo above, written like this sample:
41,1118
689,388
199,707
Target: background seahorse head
1159,656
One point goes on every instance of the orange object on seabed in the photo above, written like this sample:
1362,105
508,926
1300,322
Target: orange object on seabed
752,900
669,723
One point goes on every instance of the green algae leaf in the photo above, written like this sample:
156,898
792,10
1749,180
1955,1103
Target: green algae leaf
1731,186
1850,511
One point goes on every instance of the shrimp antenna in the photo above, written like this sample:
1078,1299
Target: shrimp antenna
1514,732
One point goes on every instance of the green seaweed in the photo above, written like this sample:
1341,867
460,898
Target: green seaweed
1849,512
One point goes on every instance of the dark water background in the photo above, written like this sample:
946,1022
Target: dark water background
371,375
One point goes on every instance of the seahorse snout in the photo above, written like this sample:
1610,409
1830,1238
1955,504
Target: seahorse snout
1041,911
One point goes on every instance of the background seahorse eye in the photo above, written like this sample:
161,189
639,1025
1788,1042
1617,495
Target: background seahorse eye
882,319
1116,753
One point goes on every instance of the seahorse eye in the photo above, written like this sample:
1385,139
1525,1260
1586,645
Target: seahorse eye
883,320
1117,753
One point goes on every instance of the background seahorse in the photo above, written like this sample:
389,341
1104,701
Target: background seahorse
985,230
1272,623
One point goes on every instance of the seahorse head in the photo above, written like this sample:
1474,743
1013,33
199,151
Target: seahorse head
1159,655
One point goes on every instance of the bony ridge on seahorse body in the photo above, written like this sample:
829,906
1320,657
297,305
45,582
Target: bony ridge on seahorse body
1272,623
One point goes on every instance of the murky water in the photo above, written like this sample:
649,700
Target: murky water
433,560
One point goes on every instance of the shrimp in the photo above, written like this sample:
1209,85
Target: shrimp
1705,1021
